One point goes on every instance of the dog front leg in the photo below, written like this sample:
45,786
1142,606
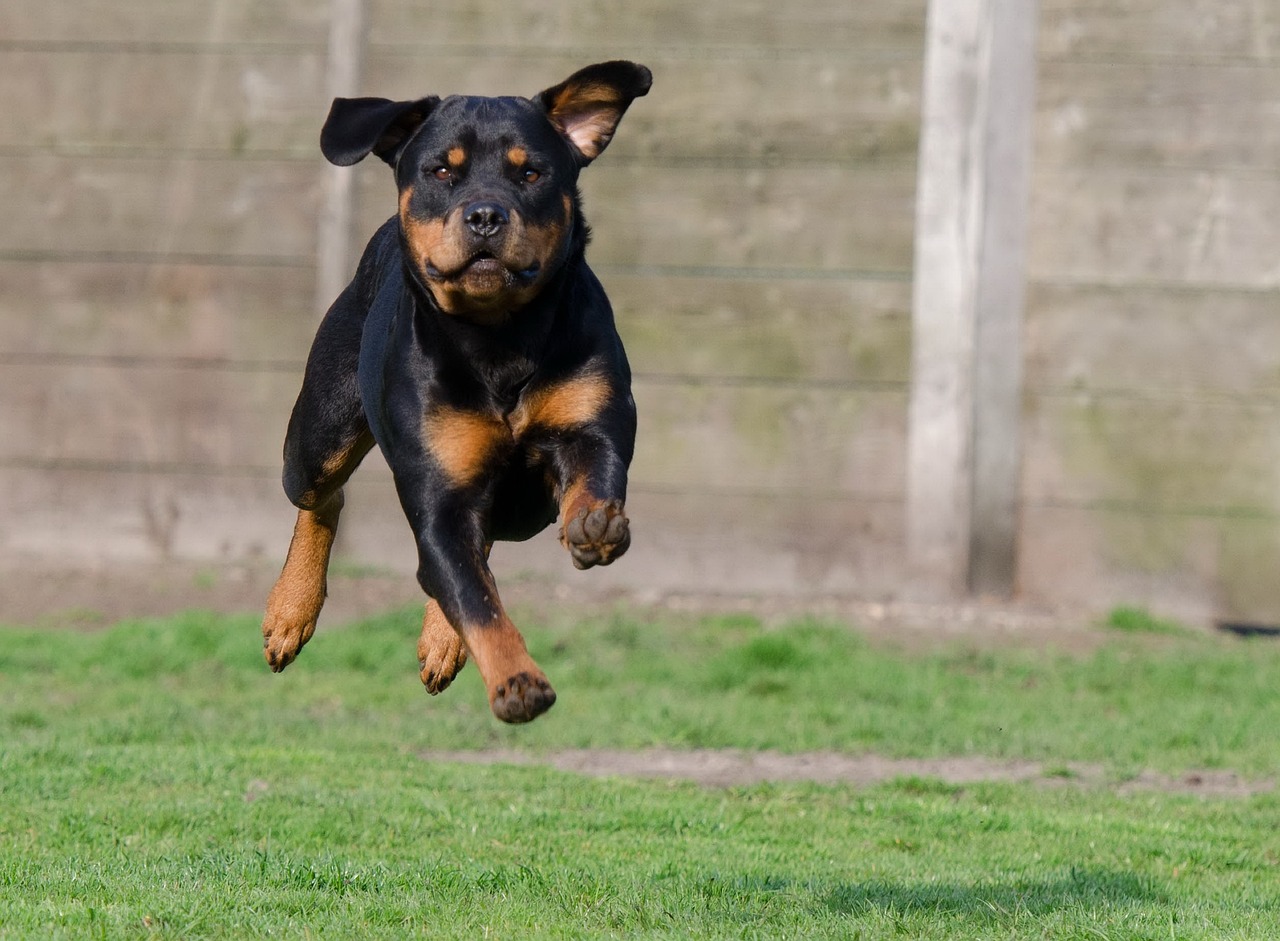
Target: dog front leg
293,607
453,570
592,490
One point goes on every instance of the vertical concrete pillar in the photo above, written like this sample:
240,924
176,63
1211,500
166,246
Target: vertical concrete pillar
337,210
963,463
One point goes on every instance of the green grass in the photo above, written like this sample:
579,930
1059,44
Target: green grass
1140,621
157,781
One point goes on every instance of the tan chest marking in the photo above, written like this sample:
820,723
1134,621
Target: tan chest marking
564,405
463,443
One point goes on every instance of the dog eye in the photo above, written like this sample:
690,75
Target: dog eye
531,176
443,174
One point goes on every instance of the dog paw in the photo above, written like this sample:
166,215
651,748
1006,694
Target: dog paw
439,661
597,534
522,698
283,636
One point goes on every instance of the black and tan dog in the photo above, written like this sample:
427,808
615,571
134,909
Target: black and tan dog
478,351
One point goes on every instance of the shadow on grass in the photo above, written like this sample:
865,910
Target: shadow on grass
1080,889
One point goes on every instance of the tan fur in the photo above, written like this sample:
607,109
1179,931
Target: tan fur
442,244
573,500
441,652
501,656
569,404
462,442
293,607
588,114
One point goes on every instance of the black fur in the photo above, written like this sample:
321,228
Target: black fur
477,349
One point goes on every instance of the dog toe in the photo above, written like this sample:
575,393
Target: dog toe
283,639
439,667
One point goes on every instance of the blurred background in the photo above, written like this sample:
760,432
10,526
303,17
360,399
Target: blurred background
172,236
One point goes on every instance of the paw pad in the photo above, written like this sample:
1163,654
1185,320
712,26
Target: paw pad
597,535
522,698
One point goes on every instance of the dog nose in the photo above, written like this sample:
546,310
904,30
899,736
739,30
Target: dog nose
486,218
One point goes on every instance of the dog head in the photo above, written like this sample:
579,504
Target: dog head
488,186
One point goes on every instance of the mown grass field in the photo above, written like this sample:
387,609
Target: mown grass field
157,781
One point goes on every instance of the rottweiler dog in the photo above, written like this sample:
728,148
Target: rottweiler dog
476,348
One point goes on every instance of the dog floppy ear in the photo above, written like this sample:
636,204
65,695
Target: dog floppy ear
587,106
357,127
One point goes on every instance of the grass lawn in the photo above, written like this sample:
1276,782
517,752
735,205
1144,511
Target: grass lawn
157,781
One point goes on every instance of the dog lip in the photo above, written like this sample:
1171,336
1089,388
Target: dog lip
481,261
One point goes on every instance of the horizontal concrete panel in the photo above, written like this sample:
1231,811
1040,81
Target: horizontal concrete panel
243,208
135,417
606,30
1153,340
707,108
120,99
1104,29
207,419
648,216
712,543
823,219
129,309
707,543
828,330
1164,113
837,330
1168,455
1140,225
163,21
1193,567
820,219
265,102
776,438
69,518
611,30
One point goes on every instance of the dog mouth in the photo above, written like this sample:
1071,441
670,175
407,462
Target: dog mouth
484,266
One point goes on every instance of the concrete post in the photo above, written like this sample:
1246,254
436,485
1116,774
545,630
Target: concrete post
334,235
963,462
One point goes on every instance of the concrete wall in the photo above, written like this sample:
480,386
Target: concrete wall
1151,432
753,219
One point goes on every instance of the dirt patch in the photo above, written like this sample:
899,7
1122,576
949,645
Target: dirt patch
730,768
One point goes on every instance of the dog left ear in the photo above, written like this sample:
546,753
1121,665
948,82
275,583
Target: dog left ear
587,106
357,127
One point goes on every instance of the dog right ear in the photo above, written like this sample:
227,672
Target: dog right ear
357,127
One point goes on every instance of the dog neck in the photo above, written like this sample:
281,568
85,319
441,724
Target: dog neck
500,355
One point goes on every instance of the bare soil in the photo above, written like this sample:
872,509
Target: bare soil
729,768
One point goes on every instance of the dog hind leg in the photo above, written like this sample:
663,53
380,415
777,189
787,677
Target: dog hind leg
293,607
